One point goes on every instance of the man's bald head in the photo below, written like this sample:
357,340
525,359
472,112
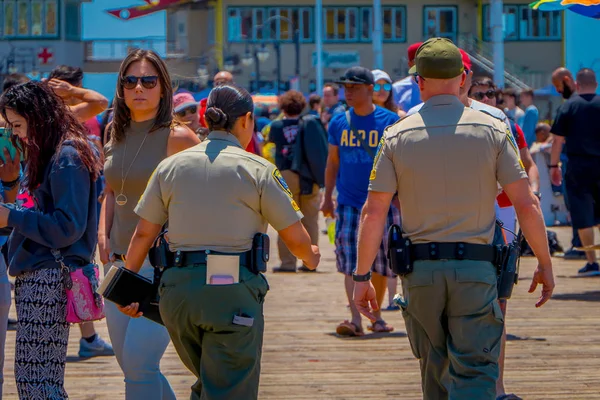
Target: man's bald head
586,81
223,78
563,81
561,73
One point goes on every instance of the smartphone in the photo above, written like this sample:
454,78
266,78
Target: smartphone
221,280
6,143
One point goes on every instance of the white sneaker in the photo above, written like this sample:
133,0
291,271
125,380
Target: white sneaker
95,349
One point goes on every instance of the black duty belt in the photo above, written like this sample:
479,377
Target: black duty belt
454,251
185,258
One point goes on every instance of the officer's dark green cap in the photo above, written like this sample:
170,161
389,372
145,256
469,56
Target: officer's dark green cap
438,58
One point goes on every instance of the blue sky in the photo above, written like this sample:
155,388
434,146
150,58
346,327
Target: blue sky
98,24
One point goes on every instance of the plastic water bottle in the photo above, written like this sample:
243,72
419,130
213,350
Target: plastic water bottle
330,223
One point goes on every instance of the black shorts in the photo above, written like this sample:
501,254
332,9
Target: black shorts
582,181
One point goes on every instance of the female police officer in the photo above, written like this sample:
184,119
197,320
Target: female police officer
216,197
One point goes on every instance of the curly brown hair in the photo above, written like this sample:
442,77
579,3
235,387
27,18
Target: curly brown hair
292,102
49,125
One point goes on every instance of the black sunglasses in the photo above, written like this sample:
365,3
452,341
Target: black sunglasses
148,82
189,111
386,86
490,94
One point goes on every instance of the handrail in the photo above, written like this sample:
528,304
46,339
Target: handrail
516,75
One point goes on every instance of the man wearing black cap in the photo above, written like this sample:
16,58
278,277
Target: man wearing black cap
444,162
353,139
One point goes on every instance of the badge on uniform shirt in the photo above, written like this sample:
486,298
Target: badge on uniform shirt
283,184
377,155
513,143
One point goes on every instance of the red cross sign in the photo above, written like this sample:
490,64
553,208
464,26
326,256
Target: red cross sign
45,55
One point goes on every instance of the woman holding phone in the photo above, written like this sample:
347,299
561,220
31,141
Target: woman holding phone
61,170
141,135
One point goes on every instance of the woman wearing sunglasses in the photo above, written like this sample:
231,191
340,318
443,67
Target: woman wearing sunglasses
140,136
383,97
382,92
186,111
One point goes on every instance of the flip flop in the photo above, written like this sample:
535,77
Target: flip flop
508,397
285,270
380,327
348,328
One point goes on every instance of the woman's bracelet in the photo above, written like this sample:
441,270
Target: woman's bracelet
11,185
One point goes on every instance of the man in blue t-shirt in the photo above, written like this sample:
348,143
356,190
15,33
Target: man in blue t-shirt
353,139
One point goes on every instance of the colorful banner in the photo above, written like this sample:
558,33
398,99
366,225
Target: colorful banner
588,8
98,24
151,6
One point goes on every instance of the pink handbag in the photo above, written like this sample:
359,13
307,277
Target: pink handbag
81,283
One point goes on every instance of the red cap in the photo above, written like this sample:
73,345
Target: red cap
466,59
412,50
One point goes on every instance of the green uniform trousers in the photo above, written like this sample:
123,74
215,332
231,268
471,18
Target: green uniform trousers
454,325
225,357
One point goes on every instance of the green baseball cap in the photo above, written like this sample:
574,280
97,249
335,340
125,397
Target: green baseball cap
438,58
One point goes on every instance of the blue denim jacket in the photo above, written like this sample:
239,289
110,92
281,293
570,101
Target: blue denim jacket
64,218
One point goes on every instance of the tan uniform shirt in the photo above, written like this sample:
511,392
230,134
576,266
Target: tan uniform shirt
445,162
217,196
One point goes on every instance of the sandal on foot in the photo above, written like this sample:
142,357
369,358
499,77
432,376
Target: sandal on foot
281,269
511,396
348,328
380,326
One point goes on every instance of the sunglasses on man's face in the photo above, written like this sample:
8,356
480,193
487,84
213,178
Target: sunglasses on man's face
386,86
490,94
188,111
148,82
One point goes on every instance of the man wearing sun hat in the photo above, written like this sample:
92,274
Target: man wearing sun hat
444,163
406,91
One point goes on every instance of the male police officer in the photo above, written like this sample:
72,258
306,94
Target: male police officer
445,162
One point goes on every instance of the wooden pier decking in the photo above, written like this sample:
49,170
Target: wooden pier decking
552,353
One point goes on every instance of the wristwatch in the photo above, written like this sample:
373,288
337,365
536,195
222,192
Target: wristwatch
538,195
362,278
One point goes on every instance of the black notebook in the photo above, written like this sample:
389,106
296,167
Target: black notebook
123,287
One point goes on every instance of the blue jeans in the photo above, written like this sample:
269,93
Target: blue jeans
139,344
4,308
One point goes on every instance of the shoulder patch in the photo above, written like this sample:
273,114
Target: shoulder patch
377,155
513,144
282,183
279,179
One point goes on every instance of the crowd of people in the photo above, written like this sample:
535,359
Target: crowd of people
88,177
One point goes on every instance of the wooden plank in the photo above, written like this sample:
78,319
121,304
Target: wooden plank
553,352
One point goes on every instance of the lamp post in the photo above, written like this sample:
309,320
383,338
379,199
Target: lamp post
295,34
256,56
319,44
